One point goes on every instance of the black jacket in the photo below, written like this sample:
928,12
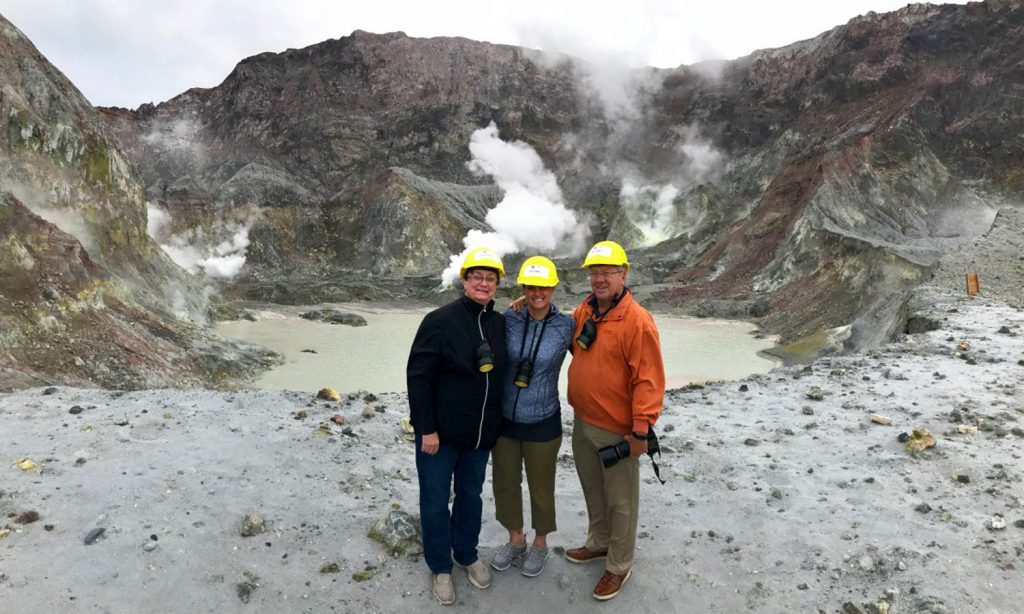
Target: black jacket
447,392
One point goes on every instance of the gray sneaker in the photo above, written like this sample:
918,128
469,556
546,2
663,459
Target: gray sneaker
444,590
534,563
479,575
506,554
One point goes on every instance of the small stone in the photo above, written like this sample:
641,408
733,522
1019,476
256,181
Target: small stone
27,517
368,412
1019,523
77,409
329,568
750,441
776,493
997,523
802,586
924,508
808,410
328,394
744,388
866,563
365,574
93,536
50,390
399,532
880,419
961,478
48,527
301,414
901,566
815,393
252,524
150,546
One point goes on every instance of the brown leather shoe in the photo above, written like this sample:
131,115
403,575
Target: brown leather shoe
609,585
582,555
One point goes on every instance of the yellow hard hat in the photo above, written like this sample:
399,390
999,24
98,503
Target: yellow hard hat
482,257
538,271
606,252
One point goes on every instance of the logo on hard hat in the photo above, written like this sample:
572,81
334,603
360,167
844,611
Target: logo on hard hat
535,270
600,250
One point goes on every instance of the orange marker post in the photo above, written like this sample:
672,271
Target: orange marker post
973,285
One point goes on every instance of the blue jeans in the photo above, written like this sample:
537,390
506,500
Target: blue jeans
458,531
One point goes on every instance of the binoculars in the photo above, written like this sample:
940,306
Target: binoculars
484,357
587,335
523,373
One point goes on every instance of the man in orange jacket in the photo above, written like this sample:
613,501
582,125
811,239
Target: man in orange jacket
616,388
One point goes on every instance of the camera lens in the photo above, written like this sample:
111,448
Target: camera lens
613,454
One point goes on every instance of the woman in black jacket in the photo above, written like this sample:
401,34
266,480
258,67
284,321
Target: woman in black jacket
454,378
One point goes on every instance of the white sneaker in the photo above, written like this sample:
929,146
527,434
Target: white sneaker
444,590
479,575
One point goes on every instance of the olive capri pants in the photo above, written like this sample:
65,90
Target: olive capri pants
509,456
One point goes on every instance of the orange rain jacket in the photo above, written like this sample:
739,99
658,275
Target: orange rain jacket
618,384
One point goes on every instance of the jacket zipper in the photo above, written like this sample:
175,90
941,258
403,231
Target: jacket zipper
487,382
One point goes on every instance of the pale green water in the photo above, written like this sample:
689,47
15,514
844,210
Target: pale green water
373,357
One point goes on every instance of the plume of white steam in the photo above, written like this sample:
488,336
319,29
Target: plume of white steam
651,208
224,260
531,216
68,220
702,162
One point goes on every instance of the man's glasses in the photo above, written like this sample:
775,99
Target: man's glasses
478,278
605,274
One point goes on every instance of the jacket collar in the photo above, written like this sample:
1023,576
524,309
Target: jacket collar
618,308
475,307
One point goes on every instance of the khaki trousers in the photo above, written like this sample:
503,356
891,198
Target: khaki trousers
612,496
509,456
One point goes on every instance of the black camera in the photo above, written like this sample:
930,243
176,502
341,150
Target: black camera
587,334
484,357
523,373
613,454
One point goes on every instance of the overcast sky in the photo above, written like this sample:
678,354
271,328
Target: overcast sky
127,52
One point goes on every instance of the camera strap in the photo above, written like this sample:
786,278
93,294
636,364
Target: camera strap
535,343
652,447
534,351
657,472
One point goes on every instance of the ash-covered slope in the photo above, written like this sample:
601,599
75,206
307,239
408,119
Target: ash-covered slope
821,180
86,297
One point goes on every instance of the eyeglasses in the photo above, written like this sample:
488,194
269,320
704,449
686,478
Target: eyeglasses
478,278
605,274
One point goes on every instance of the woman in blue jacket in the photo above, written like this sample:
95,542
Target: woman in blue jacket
530,435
